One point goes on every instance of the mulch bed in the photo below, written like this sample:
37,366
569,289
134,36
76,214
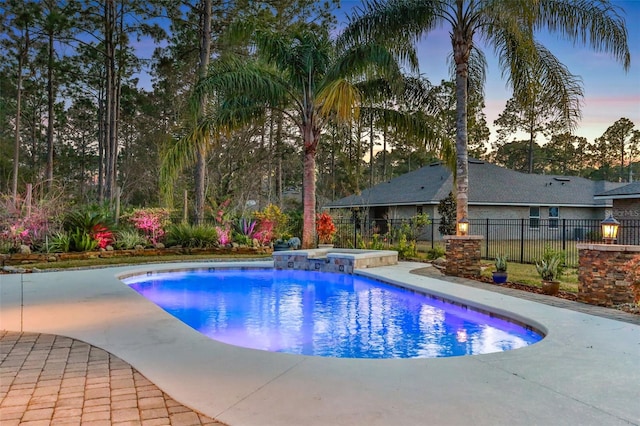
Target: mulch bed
631,308
567,295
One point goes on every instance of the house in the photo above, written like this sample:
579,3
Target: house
626,209
494,193
626,200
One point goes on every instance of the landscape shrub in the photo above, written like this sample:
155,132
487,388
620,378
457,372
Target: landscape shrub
23,223
244,231
191,236
272,223
127,239
436,253
88,228
152,222
59,242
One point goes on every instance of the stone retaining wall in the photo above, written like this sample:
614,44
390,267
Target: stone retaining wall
26,259
463,255
608,274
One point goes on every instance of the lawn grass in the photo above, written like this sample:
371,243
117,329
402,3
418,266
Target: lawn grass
518,273
526,274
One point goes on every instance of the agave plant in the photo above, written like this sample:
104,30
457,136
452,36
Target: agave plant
501,263
548,269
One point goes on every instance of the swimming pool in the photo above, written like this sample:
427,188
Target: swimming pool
325,314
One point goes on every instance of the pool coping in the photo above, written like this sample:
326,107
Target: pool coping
585,371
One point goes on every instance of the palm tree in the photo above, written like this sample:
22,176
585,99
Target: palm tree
507,26
301,74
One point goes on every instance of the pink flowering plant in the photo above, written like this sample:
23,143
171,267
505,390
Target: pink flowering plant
151,222
224,235
20,225
223,221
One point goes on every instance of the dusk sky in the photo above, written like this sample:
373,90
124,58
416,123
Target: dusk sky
610,93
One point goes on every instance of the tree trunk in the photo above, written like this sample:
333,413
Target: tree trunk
101,143
309,187
201,164
16,143
280,151
384,153
108,96
371,143
461,50
50,114
531,140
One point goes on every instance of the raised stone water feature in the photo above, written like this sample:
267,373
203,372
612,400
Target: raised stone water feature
333,260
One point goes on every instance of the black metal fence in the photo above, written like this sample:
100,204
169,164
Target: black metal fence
522,240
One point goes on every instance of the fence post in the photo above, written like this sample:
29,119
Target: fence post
522,240
432,234
486,245
564,234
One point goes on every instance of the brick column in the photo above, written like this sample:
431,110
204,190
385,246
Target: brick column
463,255
608,274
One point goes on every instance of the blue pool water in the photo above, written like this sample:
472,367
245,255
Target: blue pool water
325,314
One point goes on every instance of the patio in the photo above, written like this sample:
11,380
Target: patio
584,372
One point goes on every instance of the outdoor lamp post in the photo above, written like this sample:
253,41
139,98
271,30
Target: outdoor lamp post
610,229
463,226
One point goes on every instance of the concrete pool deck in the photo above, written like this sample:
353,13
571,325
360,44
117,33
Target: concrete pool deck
586,371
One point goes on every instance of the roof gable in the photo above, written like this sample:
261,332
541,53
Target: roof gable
631,190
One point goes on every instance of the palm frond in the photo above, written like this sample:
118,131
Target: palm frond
181,153
393,21
365,61
339,98
594,23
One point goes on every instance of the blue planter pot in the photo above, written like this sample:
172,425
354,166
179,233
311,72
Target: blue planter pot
499,277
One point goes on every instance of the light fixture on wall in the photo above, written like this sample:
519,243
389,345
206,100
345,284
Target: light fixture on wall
610,229
463,226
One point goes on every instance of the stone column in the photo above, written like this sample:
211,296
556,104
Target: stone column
608,274
463,255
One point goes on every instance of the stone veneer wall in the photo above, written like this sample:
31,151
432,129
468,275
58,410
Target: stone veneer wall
330,260
608,274
463,255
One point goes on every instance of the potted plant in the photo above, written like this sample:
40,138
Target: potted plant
549,269
325,228
282,243
500,274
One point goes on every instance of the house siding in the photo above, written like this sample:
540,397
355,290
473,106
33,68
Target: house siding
626,208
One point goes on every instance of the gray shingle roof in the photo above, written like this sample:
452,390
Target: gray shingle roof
627,191
488,185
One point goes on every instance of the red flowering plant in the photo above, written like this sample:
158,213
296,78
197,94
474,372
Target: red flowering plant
325,228
264,233
102,235
272,224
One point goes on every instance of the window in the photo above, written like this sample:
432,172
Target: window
554,216
419,209
534,217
